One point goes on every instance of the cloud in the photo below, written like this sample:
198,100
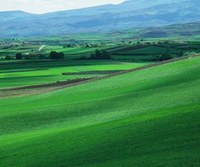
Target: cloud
43,6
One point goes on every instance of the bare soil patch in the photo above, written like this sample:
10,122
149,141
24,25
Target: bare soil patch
102,72
42,88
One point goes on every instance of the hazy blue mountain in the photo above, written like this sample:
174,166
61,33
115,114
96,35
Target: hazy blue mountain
130,14
9,15
175,30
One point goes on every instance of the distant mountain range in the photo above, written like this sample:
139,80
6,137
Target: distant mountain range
130,14
175,30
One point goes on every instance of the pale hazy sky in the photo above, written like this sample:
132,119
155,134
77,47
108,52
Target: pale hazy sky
43,6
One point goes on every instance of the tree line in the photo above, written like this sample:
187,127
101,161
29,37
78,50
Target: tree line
54,55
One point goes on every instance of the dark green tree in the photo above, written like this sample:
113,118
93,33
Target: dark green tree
100,55
8,57
56,55
166,55
18,56
180,54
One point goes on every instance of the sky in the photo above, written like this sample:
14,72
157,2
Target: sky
44,6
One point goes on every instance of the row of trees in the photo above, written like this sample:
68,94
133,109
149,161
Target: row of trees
167,55
100,55
52,55
96,55
56,55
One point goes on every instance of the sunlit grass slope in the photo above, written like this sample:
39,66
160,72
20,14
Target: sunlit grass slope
144,118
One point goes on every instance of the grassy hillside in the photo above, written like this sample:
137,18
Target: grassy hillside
144,118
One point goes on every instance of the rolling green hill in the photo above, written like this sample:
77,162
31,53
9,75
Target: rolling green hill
143,118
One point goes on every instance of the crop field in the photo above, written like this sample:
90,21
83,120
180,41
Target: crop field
70,52
148,117
73,52
142,51
149,52
24,73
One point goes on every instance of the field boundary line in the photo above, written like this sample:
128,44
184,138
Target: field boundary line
64,84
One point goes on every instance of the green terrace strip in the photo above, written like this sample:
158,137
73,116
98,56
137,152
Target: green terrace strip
147,117
26,73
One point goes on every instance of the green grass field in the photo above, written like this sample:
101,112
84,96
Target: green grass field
24,73
143,118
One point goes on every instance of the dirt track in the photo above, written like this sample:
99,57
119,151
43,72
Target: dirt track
38,89
102,72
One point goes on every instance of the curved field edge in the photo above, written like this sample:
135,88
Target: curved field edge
148,117
27,73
